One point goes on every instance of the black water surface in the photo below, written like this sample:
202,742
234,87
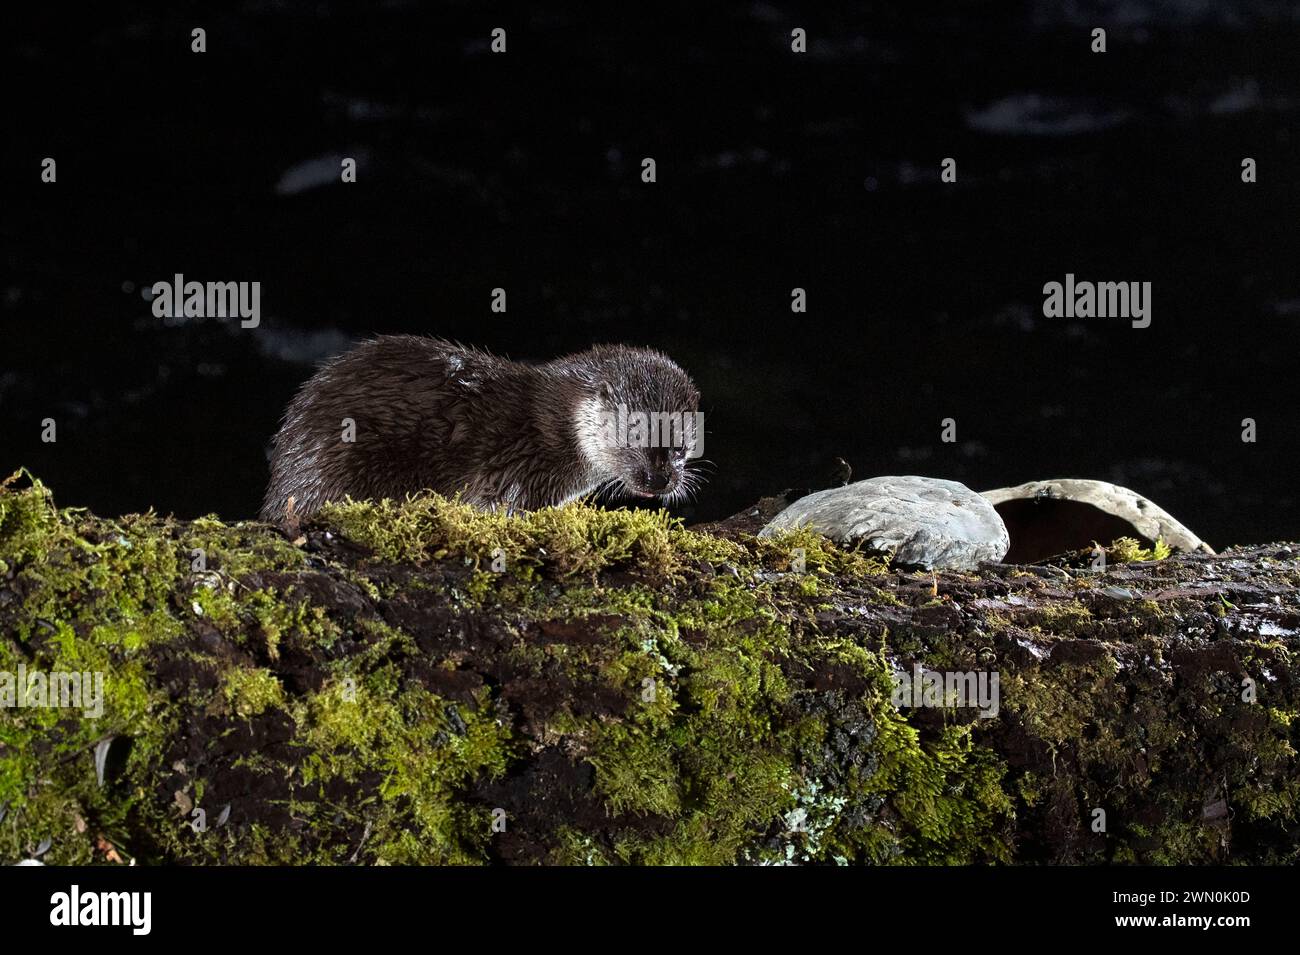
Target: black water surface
775,171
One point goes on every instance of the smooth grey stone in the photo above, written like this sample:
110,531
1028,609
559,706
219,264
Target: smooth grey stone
922,521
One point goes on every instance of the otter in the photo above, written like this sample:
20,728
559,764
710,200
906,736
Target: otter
400,414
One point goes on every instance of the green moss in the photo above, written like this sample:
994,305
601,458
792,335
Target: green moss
574,848
251,692
818,554
1058,707
1125,550
636,771
1066,619
420,748
571,541
28,521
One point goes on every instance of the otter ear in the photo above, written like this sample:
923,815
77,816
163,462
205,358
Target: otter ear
605,391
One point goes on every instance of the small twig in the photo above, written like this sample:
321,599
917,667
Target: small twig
364,836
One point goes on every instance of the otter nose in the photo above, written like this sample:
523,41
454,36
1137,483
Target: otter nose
654,480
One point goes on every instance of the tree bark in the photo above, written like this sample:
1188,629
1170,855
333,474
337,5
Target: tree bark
421,683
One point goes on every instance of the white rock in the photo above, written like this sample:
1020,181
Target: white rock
922,521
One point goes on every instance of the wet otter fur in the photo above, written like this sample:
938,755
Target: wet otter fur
428,414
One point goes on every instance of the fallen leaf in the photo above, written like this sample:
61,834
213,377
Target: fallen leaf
107,848
101,758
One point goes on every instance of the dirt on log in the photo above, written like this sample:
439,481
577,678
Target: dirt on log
425,683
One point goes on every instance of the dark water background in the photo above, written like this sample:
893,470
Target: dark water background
775,171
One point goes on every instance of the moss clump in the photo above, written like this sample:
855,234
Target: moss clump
27,519
252,692
1125,550
573,541
1061,619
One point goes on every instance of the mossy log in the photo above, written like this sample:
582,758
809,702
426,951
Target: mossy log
425,683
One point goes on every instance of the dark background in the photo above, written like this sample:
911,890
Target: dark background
775,170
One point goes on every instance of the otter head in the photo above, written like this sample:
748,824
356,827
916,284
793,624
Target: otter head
640,423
